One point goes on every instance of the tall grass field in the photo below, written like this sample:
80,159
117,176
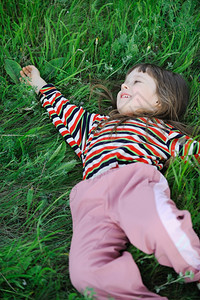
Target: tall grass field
75,44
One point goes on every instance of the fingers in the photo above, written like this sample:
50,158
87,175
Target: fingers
25,74
30,71
22,74
30,75
27,70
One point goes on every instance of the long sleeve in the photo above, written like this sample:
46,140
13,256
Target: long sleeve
182,145
74,123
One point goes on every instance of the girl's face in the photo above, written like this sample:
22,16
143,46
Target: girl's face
137,94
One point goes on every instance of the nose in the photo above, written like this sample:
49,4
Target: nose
124,86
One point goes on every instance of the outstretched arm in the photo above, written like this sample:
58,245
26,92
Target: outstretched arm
74,123
31,75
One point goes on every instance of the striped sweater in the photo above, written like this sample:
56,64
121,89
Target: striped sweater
100,149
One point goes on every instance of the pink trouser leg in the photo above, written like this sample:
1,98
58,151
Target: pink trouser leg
127,204
153,223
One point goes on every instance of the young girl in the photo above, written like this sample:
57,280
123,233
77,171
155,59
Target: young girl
123,196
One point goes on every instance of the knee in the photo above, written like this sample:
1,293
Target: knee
80,275
76,273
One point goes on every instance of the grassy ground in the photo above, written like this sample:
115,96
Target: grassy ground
75,43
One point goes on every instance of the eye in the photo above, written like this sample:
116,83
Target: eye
136,81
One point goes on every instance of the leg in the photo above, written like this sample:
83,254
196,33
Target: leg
97,257
154,224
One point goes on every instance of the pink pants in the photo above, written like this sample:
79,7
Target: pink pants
128,204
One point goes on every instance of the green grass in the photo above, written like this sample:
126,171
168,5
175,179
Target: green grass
75,44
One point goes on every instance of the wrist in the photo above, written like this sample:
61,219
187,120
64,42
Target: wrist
40,83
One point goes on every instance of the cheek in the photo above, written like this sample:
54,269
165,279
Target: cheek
118,95
118,98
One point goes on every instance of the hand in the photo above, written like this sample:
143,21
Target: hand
31,75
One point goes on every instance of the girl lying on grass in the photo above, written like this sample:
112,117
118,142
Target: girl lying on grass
123,196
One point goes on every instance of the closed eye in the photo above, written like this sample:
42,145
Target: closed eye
136,81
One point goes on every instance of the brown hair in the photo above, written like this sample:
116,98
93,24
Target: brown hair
173,94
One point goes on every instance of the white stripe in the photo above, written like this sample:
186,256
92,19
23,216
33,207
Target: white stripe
115,153
173,226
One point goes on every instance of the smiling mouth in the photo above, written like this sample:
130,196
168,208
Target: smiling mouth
125,95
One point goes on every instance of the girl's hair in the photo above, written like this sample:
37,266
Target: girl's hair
173,94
